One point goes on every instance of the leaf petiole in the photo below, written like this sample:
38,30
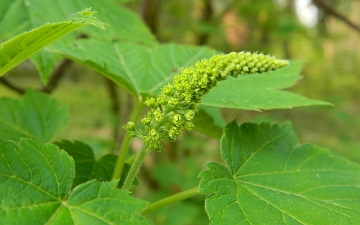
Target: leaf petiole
170,200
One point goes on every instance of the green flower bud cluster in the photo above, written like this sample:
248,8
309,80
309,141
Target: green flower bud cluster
175,108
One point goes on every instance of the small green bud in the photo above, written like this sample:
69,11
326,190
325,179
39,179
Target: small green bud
154,134
130,126
254,70
189,126
177,120
186,97
157,115
173,133
189,114
167,90
173,101
162,100
146,120
151,102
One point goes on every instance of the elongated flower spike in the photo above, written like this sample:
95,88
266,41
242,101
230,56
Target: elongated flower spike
175,108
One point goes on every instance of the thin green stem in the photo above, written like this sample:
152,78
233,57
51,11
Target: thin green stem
135,168
171,199
126,142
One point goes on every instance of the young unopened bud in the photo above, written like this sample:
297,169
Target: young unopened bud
189,114
177,120
189,126
146,120
129,126
173,102
167,90
157,115
154,134
173,133
151,102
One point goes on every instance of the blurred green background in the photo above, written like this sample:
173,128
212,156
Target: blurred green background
326,37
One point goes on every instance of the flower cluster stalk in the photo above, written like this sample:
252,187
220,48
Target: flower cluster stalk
134,169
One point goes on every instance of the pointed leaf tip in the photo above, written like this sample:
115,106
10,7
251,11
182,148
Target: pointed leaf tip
86,17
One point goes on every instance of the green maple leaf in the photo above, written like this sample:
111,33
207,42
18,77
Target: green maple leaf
35,188
270,179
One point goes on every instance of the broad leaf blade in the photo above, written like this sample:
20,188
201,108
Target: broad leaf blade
35,186
269,178
135,67
23,46
102,203
36,116
87,168
260,91
34,176
18,16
